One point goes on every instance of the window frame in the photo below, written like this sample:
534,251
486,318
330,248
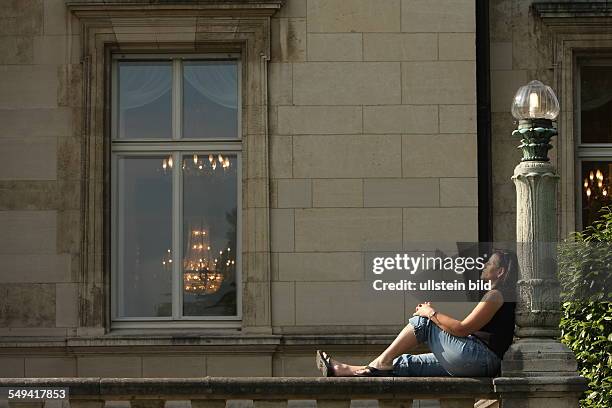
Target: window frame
105,28
178,148
585,152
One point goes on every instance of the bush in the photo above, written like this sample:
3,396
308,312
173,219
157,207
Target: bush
585,260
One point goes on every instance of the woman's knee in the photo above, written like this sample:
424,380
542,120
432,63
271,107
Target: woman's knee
420,326
417,321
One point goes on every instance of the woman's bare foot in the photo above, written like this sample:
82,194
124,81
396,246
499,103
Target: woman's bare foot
334,368
344,370
377,363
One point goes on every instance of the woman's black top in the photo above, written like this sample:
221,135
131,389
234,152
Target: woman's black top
498,333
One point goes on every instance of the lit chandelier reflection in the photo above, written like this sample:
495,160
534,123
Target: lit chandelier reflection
167,163
204,268
596,185
214,161
200,267
167,260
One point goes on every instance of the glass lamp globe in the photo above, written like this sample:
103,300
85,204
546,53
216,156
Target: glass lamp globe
535,101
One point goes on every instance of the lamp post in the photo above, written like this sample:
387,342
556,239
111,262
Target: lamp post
537,370
538,310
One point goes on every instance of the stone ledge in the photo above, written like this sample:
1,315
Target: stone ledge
542,384
194,339
276,388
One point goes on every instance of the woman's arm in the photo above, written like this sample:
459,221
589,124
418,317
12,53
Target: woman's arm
480,315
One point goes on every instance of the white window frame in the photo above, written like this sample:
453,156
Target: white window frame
178,148
586,152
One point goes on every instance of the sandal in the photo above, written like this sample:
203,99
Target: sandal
324,364
375,372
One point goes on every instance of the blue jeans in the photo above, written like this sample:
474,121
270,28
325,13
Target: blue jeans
450,355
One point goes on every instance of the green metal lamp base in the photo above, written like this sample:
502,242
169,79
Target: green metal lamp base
535,138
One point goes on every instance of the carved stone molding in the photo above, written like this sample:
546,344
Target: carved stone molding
573,10
577,29
173,26
264,8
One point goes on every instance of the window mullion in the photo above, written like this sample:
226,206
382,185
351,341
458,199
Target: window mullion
118,302
593,153
177,96
187,146
114,133
177,243
178,182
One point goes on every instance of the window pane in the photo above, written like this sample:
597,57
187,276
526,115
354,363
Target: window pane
145,99
596,104
596,180
209,234
144,216
210,99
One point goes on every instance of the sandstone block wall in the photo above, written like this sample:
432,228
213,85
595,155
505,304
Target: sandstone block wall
40,171
372,125
373,140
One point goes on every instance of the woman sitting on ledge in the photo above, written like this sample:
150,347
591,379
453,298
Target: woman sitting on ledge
472,347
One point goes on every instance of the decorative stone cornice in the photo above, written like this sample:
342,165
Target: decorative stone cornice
572,9
228,341
580,17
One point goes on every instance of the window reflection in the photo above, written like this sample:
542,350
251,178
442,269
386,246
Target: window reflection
596,182
145,236
596,104
209,234
145,99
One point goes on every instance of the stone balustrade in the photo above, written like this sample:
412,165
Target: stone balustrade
265,392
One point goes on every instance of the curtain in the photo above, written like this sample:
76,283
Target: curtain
216,81
141,84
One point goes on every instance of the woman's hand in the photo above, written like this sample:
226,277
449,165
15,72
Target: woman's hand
424,310
482,313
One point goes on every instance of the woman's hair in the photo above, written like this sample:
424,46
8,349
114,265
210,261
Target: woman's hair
507,282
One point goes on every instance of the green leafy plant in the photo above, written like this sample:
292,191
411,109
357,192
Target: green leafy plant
585,261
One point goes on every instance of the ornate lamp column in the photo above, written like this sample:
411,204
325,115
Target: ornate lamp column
538,309
537,370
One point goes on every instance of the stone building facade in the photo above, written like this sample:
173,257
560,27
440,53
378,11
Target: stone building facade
564,44
358,124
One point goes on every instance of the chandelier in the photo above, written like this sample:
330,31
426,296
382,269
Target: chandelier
199,165
596,186
204,269
201,274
